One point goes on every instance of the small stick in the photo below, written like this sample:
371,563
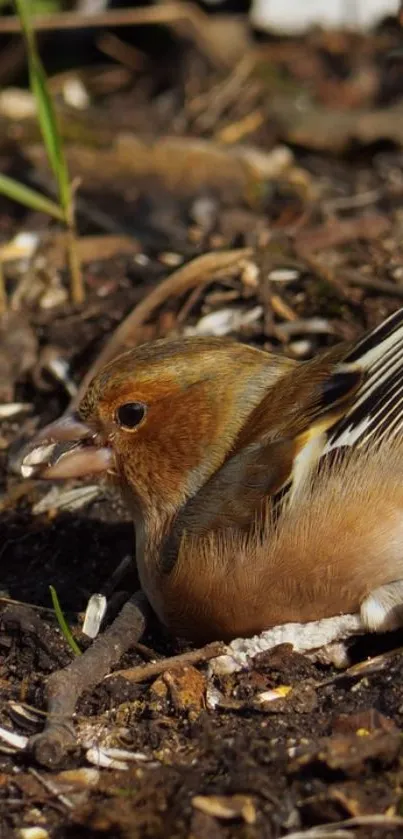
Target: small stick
76,278
180,13
362,668
336,829
155,668
3,294
281,308
196,273
147,652
383,286
330,235
116,17
20,603
64,687
48,784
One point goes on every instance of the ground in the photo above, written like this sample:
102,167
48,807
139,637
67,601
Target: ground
291,157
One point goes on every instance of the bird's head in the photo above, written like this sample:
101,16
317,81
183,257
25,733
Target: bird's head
161,417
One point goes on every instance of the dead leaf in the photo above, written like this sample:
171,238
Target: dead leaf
339,231
227,806
350,753
187,687
368,720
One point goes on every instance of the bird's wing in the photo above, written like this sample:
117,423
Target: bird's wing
344,398
373,411
377,408
267,457
336,400
232,497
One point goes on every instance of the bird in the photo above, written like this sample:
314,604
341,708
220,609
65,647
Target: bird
263,490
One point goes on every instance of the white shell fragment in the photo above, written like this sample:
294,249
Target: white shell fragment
39,455
269,165
309,326
94,614
224,321
287,16
75,93
23,246
214,697
12,409
111,758
54,295
125,754
99,757
304,637
70,499
17,741
17,104
60,369
284,275
24,714
276,693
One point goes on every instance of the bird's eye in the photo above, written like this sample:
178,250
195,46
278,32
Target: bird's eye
130,414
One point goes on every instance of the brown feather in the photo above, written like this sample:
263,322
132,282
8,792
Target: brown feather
317,559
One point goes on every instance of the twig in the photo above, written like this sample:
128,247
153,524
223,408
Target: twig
147,652
339,232
349,202
188,305
362,668
64,687
223,94
325,271
48,784
169,13
76,277
202,270
121,52
3,295
236,131
305,326
117,17
383,286
327,830
154,668
10,601
281,308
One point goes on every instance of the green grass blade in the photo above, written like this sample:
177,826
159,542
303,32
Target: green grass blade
29,197
64,627
46,112
50,132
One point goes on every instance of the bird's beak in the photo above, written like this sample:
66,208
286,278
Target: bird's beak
67,448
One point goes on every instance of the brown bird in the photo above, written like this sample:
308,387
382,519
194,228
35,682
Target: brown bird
262,490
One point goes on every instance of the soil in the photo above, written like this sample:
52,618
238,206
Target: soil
326,263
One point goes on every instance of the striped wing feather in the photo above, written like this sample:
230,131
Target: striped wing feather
377,409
